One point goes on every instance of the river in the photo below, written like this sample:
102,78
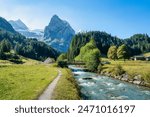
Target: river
97,87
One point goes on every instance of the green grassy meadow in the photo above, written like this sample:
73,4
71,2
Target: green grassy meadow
24,82
131,67
147,54
28,80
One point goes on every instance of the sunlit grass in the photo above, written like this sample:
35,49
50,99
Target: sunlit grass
131,67
66,88
147,54
25,81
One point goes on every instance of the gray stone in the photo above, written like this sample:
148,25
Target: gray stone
138,77
124,79
137,82
58,34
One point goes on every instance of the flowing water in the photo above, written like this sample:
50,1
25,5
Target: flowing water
97,87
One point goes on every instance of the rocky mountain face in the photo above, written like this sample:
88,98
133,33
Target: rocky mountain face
20,27
4,25
31,48
58,34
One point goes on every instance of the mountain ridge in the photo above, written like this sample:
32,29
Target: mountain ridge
58,33
4,25
27,47
21,27
18,24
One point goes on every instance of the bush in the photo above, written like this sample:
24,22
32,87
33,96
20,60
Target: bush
16,61
132,75
62,64
62,57
14,56
117,70
99,68
146,77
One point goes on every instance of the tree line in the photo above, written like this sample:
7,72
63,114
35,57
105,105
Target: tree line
31,48
136,44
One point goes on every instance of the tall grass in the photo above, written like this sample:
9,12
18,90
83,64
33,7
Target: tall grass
133,68
19,82
66,88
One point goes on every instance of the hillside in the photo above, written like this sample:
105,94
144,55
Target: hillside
103,42
137,44
4,25
31,48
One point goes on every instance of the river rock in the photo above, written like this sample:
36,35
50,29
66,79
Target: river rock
87,78
131,81
125,77
144,83
138,77
137,82
117,77
76,74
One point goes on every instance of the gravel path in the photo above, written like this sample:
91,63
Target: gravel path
47,94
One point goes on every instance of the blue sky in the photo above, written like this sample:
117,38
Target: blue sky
121,18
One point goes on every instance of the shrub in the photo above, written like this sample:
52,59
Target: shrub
146,77
132,75
117,70
62,64
99,68
62,57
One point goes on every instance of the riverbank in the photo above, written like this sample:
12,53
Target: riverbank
135,72
137,80
99,87
67,87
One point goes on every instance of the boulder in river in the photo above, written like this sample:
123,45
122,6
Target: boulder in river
87,78
76,74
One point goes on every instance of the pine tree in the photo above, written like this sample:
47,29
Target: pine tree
5,45
1,53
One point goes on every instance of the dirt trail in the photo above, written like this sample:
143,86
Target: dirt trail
47,94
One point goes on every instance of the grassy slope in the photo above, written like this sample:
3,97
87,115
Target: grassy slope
24,81
147,54
66,88
131,67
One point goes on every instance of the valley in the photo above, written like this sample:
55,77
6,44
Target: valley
115,67
27,81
